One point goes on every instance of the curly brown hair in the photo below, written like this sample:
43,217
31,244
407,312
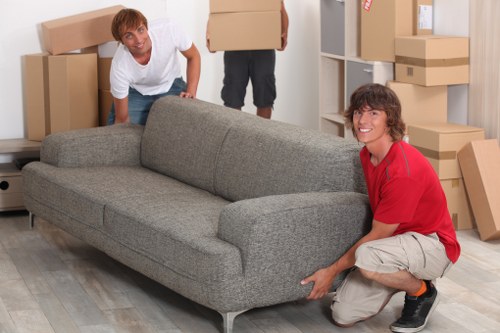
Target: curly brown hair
125,19
377,97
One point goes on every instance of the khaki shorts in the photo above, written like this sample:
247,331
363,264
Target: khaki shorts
358,298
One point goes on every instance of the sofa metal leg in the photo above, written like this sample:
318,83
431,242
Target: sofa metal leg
228,320
31,220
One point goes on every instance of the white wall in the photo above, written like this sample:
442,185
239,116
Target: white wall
296,72
296,68
451,17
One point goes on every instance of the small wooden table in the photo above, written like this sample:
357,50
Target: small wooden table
11,183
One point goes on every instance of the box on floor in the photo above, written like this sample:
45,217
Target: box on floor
36,96
458,203
103,68
440,143
105,102
73,91
480,164
432,60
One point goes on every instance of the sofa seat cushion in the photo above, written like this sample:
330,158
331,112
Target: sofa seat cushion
82,193
157,216
166,227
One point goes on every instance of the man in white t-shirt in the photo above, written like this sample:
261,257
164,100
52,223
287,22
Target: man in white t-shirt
146,66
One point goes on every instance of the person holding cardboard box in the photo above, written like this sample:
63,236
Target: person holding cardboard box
412,241
240,66
145,66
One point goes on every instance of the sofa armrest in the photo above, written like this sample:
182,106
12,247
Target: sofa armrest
285,238
101,146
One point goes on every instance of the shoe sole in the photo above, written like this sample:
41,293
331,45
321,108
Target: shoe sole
417,329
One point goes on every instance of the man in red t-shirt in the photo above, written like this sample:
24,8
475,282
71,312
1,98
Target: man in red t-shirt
412,240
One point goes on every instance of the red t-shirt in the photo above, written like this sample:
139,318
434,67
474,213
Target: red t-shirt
405,189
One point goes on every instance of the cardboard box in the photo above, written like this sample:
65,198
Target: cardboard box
421,105
73,91
480,163
381,22
231,6
36,96
458,204
245,31
105,102
423,15
440,144
79,31
432,60
103,68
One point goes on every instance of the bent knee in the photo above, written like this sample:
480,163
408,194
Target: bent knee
341,315
344,315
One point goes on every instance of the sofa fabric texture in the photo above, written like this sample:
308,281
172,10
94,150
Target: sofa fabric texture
225,208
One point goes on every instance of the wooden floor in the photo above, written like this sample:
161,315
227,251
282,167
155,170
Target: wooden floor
52,282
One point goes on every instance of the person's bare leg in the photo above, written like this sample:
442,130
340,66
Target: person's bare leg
265,112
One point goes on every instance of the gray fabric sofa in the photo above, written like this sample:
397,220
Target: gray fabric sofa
225,208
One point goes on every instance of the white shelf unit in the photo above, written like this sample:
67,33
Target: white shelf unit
341,69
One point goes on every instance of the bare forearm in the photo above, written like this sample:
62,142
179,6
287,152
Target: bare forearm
193,76
121,110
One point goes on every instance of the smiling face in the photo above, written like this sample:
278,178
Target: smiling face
137,40
370,126
374,111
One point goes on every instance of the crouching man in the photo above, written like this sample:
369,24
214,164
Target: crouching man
412,241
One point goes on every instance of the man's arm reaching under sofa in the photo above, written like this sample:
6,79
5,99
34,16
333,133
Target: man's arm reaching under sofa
101,146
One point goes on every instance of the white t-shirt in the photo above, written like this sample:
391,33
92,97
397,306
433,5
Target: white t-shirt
163,68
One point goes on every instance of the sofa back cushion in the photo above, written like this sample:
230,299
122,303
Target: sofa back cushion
182,139
261,157
240,156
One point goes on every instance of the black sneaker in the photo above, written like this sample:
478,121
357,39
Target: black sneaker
416,311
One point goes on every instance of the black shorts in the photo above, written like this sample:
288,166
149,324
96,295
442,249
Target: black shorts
256,65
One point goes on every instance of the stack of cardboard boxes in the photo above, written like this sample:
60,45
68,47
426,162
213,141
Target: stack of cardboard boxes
61,89
400,31
244,25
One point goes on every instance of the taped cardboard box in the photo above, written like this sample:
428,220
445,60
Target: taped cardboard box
231,6
73,92
423,14
458,203
36,93
440,143
245,31
480,163
79,31
421,105
381,22
432,60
